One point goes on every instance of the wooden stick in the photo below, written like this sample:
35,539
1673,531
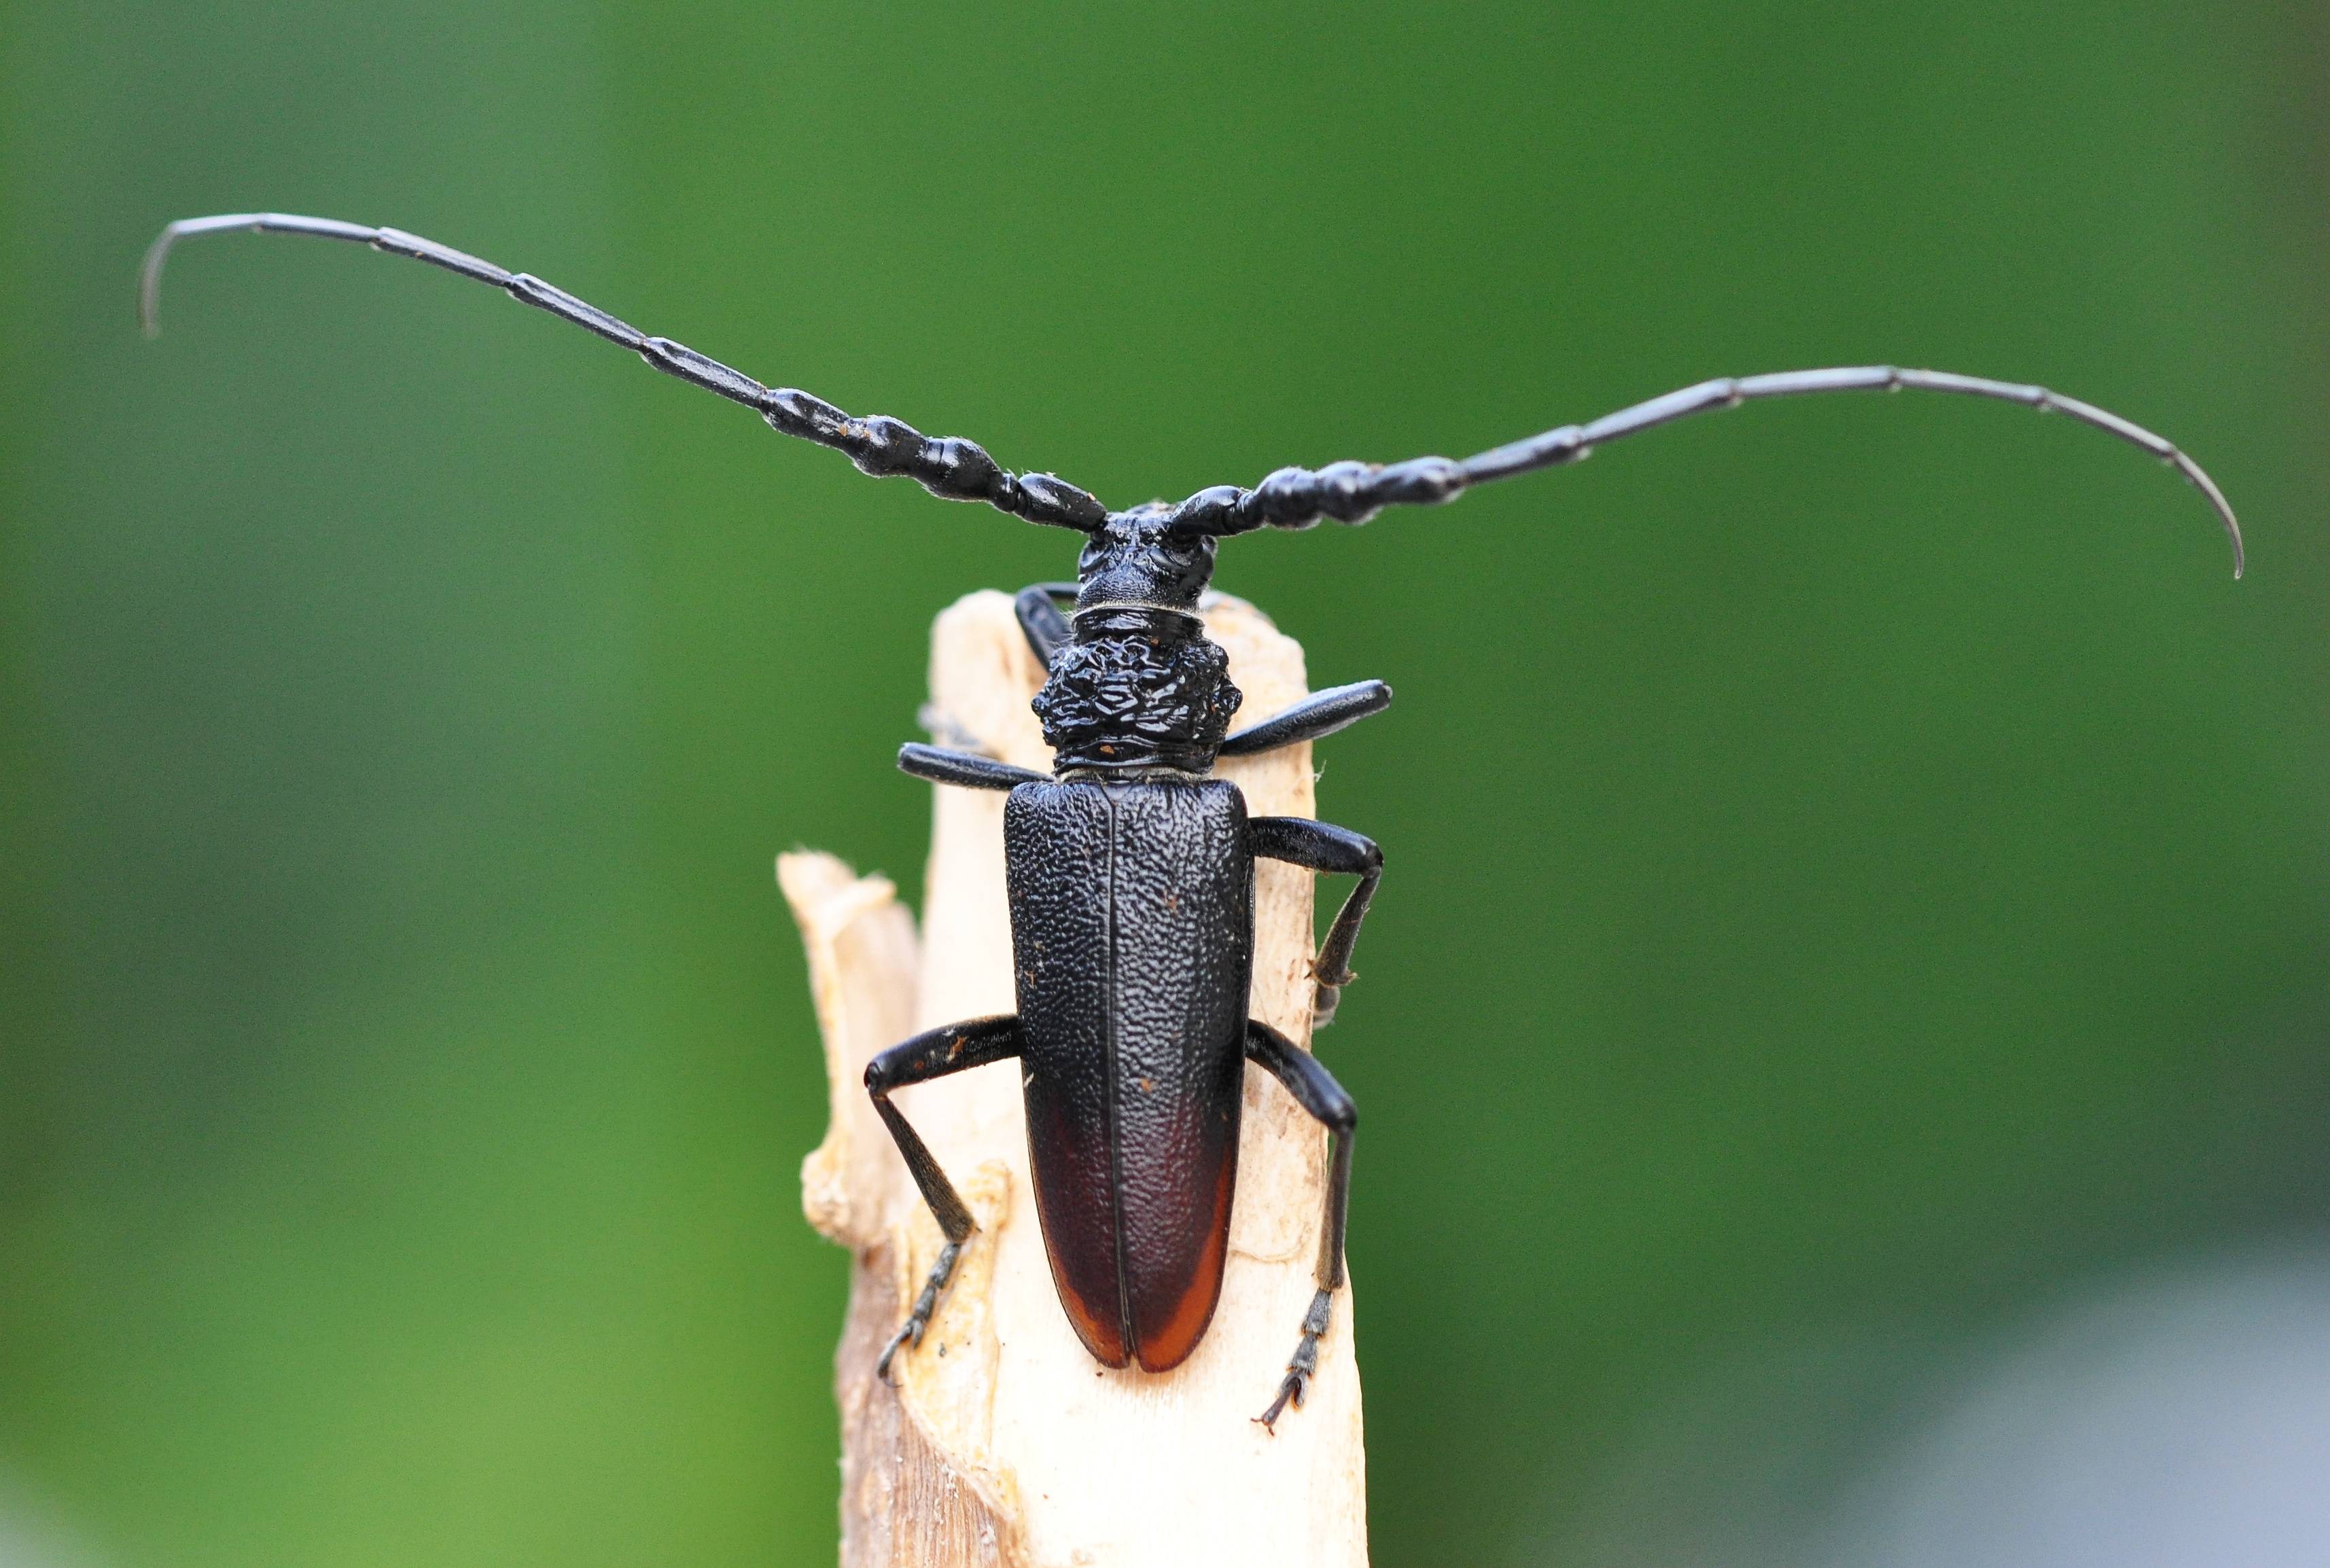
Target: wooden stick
1004,1444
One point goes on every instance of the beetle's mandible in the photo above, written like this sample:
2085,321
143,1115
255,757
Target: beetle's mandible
1131,868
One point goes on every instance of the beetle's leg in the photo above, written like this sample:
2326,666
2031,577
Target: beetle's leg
934,1053
1316,716
1315,1089
1039,608
967,768
1323,846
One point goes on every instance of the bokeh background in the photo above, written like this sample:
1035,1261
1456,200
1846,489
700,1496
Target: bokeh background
1859,897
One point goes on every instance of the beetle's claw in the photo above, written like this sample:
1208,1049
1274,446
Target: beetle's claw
910,1335
1289,1392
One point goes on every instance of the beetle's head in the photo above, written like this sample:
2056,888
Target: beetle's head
1135,558
1140,688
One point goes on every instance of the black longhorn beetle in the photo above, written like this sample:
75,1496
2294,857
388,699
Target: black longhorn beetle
1133,1032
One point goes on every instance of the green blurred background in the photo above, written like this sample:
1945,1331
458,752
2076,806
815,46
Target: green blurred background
1857,868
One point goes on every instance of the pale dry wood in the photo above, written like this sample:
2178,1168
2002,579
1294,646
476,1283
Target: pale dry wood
1004,1444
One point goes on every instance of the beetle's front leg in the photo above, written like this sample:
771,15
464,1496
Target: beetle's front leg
1314,718
1323,846
1315,1089
967,770
934,1053
1047,631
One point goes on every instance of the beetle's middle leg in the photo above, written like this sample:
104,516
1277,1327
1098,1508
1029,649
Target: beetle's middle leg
1323,846
934,1053
1315,1089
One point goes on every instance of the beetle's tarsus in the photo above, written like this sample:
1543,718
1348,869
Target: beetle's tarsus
911,1331
1304,1364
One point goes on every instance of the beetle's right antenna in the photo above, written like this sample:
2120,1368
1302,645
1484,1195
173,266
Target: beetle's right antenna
1354,492
947,467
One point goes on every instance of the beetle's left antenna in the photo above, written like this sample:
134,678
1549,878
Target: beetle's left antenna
946,465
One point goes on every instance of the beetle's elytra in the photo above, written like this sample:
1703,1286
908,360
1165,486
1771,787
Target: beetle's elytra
1133,968
1132,868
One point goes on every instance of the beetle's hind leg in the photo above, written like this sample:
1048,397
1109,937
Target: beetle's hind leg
934,1053
1315,1089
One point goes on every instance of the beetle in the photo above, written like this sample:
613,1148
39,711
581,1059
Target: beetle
1131,868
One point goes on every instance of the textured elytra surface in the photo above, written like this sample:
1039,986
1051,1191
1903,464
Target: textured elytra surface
1132,934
